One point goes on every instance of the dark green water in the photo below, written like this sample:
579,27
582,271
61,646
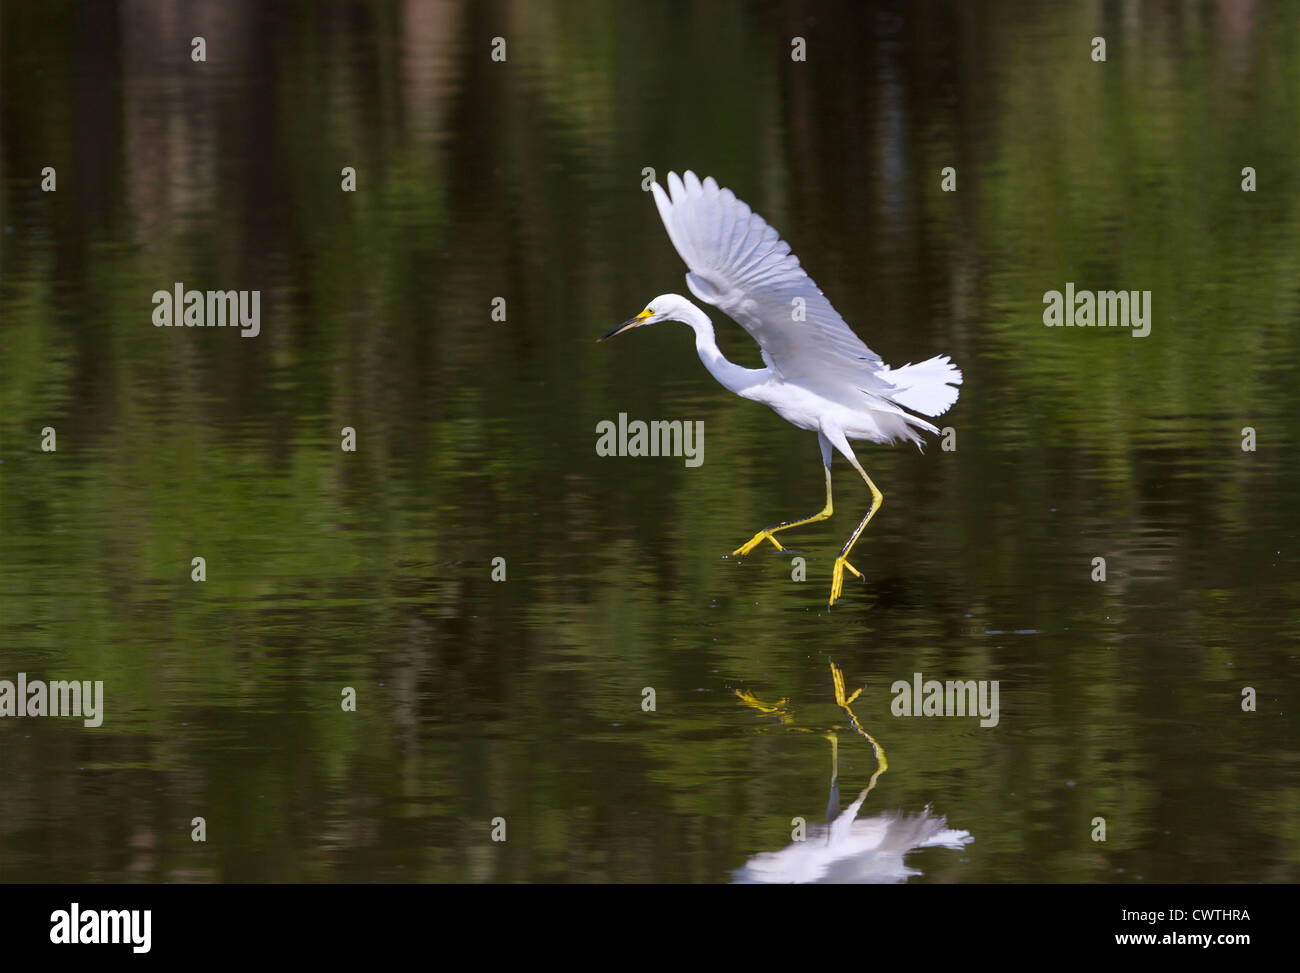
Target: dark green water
476,438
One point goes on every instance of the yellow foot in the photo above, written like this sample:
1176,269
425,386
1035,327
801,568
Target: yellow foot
837,578
754,541
749,699
837,674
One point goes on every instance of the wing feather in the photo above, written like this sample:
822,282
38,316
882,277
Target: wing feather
739,263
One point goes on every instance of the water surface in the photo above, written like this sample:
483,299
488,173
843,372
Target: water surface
522,699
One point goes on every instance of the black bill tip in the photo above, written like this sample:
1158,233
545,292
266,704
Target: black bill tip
620,328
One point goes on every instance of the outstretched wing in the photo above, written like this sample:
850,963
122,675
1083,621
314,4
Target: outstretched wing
739,264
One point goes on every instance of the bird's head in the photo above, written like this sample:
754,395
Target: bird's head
665,307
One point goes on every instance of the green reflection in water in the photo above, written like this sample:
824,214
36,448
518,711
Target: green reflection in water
476,439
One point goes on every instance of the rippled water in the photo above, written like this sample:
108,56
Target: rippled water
522,699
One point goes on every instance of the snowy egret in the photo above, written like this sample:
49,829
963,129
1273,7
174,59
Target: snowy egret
819,374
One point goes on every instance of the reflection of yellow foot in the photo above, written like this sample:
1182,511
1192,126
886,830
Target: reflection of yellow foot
749,699
837,578
837,674
754,541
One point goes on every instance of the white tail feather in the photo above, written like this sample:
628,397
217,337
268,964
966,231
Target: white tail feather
928,387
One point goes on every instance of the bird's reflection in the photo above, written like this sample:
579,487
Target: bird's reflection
849,849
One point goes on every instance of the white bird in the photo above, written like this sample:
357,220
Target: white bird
819,374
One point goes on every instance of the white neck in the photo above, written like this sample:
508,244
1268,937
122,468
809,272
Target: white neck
734,377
